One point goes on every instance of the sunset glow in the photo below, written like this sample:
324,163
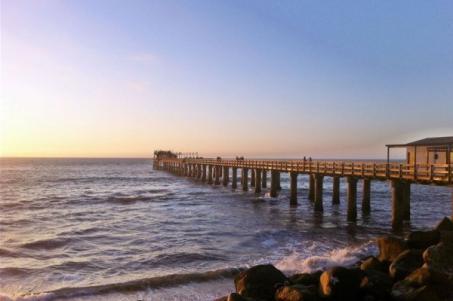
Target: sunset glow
80,82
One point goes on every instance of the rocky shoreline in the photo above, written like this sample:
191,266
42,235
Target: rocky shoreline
416,268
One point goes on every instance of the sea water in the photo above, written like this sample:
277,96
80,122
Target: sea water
115,229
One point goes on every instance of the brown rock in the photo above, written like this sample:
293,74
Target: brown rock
297,293
259,282
407,262
341,283
372,263
446,237
404,292
423,239
439,258
377,284
425,275
390,247
306,278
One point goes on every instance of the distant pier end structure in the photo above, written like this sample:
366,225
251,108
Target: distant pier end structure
427,162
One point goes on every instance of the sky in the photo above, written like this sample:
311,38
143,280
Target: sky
326,79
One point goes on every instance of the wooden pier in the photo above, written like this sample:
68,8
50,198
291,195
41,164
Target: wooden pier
254,174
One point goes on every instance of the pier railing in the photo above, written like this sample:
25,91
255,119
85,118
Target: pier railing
440,174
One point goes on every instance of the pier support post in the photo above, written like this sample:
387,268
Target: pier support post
274,184
406,201
279,187
264,179
252,177
336,190
293,197
203,176
311,187
209,174
245,180
352,199
226,176
397,204
319,181
234,178
258,181
217,175
366,208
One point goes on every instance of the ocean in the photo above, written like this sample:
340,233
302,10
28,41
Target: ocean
115,229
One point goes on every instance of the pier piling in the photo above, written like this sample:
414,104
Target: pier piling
311,187
258,181
352,199
274,184
293,188
234,178
217,175
226,176
209,174
319,180
366,207
264,179
245,180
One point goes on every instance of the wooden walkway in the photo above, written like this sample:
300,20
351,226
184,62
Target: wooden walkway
400,175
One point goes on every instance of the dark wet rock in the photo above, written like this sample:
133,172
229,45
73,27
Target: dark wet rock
403,291
306,278
423,239
390,247
445,224
237,297
439,258
372,263
424,275
377,284
446,237
259,282
297,293
341,283
407,262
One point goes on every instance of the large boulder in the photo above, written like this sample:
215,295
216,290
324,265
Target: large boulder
446,237
340,283
390,247
445,224
423,239
306,278
439,258
407,262
297,293
372,263
259,282
425,275
402,291
377,284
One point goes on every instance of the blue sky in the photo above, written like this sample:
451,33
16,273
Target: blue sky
260,78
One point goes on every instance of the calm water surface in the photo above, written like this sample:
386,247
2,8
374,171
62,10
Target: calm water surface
114,229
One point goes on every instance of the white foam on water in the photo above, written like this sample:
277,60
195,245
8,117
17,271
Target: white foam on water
298,262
